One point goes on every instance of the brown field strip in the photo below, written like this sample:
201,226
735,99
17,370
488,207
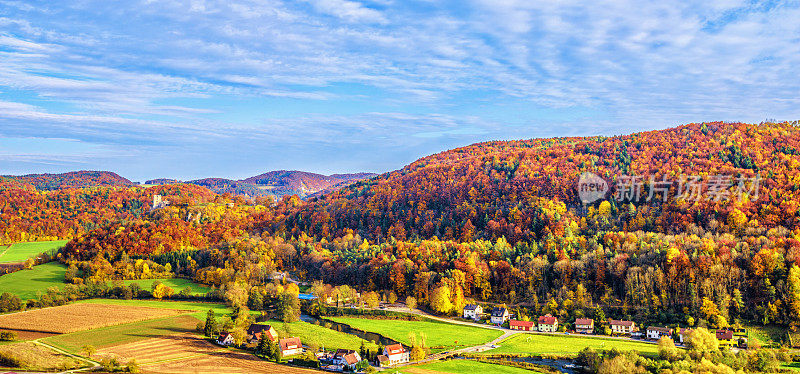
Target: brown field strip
186,353
77,317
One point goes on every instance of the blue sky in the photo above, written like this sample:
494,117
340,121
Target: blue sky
191,89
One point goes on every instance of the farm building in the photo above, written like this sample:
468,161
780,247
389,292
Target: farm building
521,325
225,338
290,346
393,354
726,338
255,330
622,327
656,332
473,311
547,323
499,315
584,326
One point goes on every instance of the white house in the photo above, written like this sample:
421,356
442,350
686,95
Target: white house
347,359
622,327
473,311
499,315
225,338
547,323
290,346
393,354
655,332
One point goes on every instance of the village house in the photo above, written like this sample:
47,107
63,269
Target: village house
392,355
547,323
225,338
622,327
584,326
725,338
255,330
521,325
656,332
290,346
473,311
499,315
346,359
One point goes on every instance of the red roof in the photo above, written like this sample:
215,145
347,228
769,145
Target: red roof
724,334
290,343
514,322
547,319
394,349
350,359
620,323
584,321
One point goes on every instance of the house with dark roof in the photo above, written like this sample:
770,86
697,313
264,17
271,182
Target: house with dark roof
290,346
547,323
499,315
521,325
225,338
584,326
255,330
622,327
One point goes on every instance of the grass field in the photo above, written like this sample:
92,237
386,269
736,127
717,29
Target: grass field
20,252
78,317
459,367
26,283
177,284
200,308
322,336
439,335
566,345
123,334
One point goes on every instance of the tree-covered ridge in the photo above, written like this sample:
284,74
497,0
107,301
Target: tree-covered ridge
29,214
73,179
505,189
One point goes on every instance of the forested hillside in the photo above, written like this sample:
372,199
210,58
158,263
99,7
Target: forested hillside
495,221
73,179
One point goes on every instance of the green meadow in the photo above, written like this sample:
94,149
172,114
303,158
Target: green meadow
177,284
19,252
27,283
438,335
459,367
566,345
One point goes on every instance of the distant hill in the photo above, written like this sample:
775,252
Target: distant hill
73,179
276,183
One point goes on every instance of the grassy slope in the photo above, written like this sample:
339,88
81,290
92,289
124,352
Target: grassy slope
461,366
322,336
438,334
20,252
25,283
130,332
200,309
566,344
177,284
122,334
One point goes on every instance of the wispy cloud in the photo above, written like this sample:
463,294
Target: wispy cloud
186,77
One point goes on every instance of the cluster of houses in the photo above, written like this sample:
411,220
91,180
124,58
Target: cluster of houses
288,346
549,323
340,360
